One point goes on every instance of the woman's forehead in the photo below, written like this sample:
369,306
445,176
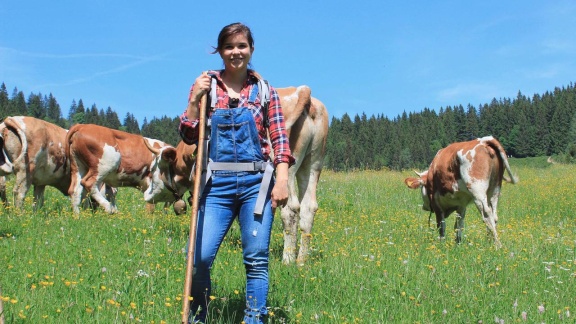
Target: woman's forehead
236,38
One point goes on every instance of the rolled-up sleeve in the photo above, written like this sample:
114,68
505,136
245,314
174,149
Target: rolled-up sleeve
188,129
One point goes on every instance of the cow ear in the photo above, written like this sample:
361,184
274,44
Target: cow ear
413,183
169,154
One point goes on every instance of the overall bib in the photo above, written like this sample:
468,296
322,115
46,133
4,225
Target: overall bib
227,194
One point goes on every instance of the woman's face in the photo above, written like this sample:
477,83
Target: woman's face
236,52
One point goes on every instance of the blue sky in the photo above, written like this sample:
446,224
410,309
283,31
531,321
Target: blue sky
376,56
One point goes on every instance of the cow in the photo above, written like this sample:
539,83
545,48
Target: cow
103,155
33,150
306,120
462,173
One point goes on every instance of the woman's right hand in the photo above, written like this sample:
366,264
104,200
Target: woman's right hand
201,86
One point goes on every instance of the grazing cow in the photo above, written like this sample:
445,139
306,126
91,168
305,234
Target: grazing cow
33,150
306,121
102,155
459,174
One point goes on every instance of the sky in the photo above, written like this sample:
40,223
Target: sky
376,57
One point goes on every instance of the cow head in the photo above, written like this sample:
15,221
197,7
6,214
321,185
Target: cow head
420,182
170,174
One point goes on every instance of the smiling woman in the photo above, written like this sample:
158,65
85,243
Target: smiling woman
240,127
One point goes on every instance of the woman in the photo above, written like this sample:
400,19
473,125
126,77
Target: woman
238,135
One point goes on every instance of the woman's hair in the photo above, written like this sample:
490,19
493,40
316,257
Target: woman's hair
233,29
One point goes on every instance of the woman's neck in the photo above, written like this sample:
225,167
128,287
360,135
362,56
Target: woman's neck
234,77
234,80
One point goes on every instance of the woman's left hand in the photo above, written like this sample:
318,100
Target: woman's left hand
279,194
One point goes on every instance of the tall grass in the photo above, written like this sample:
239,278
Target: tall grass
374,260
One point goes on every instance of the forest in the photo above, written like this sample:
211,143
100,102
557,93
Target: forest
543,125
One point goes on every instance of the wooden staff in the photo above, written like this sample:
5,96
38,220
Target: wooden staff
194,215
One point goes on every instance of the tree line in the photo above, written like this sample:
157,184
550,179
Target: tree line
46,107
544,125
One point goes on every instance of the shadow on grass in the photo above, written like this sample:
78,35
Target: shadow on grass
232,311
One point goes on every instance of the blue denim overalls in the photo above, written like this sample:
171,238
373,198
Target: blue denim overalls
231,193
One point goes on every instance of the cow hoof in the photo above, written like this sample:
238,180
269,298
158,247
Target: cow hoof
180,207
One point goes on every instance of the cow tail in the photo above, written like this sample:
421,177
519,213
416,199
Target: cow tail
10,122
302,106
504,159
67,143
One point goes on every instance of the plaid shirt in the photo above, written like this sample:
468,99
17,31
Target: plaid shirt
189,131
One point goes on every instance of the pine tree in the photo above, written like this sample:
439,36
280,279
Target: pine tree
53,112
112,119
72,111
36,106
79,116
131,124
18,105
4,102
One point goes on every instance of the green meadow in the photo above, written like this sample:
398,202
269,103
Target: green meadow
374,259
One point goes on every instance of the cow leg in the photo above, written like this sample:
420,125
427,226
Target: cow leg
290,214
76,189
110,195
441,224
489,218
21,187
307,183
459,223
94,188
39,196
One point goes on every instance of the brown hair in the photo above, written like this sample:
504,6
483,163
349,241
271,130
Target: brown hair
233,29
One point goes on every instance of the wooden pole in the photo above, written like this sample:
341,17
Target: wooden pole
194,215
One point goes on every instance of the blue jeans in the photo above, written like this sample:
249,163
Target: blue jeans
227,195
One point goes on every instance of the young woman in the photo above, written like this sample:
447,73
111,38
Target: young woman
238,138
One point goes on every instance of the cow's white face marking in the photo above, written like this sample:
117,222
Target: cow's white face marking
157,190
425,199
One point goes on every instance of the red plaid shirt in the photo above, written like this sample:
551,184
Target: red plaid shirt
189,131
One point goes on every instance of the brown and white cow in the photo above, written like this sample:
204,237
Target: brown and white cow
102,155
33,150
306,120
462,173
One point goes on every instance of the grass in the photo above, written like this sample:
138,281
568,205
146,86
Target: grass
374,259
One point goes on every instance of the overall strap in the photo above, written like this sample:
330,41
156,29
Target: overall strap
264,92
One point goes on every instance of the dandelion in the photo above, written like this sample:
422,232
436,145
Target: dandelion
444,312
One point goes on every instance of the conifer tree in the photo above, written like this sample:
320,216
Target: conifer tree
53,112
18,105
4,102
131,124
36,107
112,120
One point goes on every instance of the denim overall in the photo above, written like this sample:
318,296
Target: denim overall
231,193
